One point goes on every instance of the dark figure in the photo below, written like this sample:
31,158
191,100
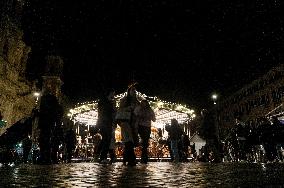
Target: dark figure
50,111
278,128
193,151
27,145
56,140
276,138
175,133
168,141
70,144
145,115
210,133
127,123
97,146
242,133
267,139
106,124
184,147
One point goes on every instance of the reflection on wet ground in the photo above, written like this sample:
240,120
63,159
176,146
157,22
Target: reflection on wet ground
155,174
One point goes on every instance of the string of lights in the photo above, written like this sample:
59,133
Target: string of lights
86,113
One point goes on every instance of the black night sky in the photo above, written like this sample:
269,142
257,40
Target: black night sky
178,50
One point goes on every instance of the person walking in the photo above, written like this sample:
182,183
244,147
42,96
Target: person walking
144,115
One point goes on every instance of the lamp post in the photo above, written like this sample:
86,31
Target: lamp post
216,122
36,95
35,118
214,98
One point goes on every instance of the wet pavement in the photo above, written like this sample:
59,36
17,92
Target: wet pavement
154,174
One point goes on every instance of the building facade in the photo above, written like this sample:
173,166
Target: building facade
253,101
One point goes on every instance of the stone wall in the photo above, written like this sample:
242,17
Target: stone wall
16,95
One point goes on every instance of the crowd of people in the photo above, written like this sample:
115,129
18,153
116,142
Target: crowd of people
261,142
256,142
134,118
53,143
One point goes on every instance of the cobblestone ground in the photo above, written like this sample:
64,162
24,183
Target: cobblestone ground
154,174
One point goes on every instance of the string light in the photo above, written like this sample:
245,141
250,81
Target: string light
86,113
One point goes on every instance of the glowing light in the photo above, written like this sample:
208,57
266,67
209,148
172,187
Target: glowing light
214,96
86,113
36,94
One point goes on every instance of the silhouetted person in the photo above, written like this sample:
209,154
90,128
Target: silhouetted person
184,147
175,133
127,123
70,143
56,140
27,145
209,132
48,116
97,146
168,141
242,135
106,124
145,115
275,129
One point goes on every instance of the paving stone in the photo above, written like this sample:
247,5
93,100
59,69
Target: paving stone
154,174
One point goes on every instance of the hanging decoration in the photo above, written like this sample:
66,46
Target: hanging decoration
86,113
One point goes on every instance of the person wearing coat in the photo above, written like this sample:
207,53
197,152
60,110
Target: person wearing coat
127,123
144,115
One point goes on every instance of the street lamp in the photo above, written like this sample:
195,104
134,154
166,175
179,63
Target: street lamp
37,95
214,97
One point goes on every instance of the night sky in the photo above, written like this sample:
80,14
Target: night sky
178,50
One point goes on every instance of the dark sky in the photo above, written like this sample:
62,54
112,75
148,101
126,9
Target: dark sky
178,50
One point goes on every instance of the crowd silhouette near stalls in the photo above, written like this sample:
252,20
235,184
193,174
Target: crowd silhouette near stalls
247,141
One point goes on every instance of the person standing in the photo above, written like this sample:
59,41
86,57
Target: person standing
210,133
144,114
70,143
27,145
175,133
126,119
49,115
106,124
56,140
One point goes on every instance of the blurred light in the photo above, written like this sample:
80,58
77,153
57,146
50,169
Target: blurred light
214,96
36,94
